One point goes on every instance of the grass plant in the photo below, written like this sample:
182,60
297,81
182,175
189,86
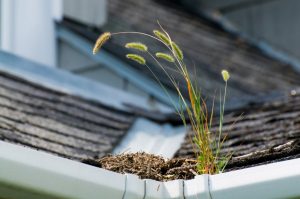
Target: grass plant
193,109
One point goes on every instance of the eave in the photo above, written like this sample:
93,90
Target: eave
35,174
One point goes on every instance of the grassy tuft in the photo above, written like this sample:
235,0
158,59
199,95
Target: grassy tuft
207,144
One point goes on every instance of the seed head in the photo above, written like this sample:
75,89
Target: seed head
165,56
163,37
177,51
137,45
100,41
225,75
137,58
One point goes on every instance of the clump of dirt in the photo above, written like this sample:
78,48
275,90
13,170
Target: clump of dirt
148,166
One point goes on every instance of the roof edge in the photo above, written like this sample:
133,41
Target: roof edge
39,173
61,178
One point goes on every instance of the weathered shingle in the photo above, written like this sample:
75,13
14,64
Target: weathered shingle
260,133
58,123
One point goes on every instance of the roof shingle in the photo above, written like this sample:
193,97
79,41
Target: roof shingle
260,133
56,122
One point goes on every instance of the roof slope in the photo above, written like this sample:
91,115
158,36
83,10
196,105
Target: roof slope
260,133
56,122
205,45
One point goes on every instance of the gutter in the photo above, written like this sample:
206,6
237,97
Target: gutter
150,137
27,173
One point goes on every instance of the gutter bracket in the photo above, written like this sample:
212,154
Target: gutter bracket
134,187
199,187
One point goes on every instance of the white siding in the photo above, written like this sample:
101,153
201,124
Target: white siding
27,29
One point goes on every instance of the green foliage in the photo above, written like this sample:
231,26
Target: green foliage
207,150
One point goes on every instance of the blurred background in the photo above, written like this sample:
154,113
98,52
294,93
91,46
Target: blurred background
256,40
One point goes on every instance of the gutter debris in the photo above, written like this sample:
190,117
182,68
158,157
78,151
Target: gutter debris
148,166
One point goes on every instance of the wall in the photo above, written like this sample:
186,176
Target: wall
28,29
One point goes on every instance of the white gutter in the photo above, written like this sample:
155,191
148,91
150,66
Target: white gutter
41,175
150,137
277,180
27,173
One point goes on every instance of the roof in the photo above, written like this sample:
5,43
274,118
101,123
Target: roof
71,126
55,111
48,109
56,122
260,133
67,124
206,45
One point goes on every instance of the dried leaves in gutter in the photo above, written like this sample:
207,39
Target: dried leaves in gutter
148,166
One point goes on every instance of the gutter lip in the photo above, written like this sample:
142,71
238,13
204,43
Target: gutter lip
65,178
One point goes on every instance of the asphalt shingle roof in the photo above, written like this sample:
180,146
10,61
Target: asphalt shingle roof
72,127
260,133
56,122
